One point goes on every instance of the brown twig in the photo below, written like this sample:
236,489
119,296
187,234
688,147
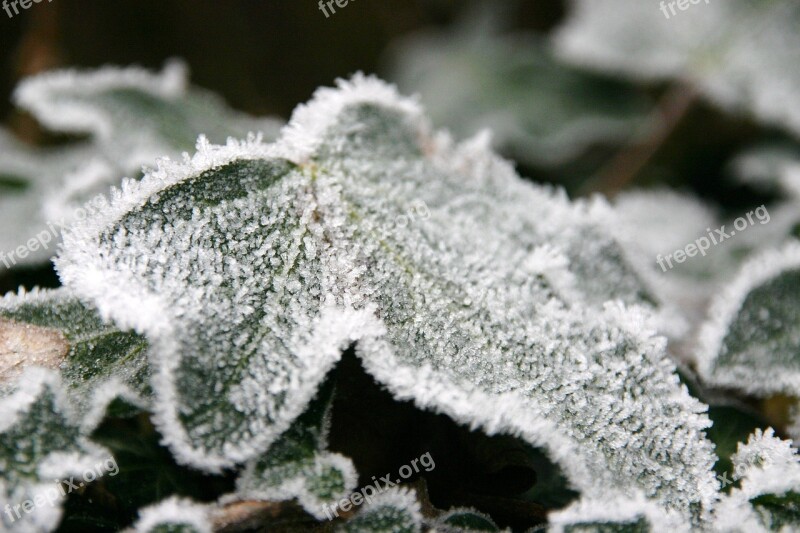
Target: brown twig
627,164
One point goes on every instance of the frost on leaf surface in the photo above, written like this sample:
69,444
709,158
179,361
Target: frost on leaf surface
297,465
394,511
769,496
751,340
251,267
740,53
131,116
174,515
40,445
465,520
98,362
540,111
614,513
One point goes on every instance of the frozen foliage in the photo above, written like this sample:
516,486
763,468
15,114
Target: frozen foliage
298,467
41,444
539,110
174,515
769,495
131,117
394,511
740,53
98,362
250,267
25,177
772,167
464,520
751,340
614,512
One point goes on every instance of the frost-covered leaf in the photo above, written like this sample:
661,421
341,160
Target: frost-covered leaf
132,116
41,445
769,496
752,338
464,520
772,167
614,513
251,267
298,466
25,176
97,361
654,224
539,110
740,53
394,511
174,515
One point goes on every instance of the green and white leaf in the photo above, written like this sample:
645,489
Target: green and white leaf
741,54
26,174
394,511
772,167
174,515
98,362
615,513
751,340
298,466
250,267
132,117
769,496
464,520
540,111
41,444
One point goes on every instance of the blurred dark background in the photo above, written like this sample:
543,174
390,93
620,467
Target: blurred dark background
263,56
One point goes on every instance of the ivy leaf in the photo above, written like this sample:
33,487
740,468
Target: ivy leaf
540,111
25,176
614,513
174,515
41,445
394,511
464,520
98,362
298,466
769,497
739,53
751,340
132,117
251,267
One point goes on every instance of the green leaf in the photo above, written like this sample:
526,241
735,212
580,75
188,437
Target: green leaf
751,340
41,447
740,54
769,472
394,511
251,267
463,521
540,111
298,466
98,362
614,513
132,117
174,515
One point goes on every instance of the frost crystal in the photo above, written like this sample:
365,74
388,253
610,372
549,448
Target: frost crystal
174,515
251,267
